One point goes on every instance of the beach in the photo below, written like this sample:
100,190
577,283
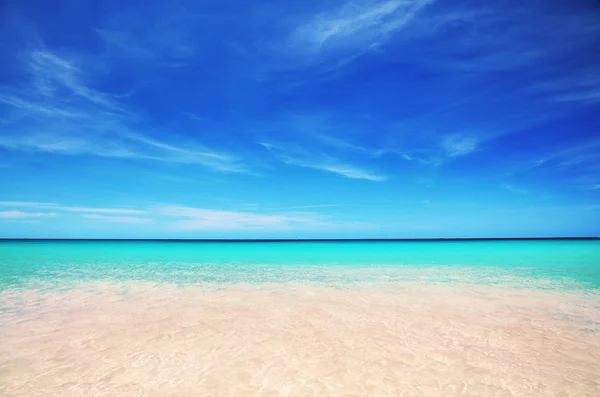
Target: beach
341,198
188,325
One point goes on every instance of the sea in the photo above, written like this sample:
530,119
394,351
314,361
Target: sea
300,318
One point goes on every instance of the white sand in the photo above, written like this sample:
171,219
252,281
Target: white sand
298,340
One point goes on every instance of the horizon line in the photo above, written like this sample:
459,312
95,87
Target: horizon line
266,240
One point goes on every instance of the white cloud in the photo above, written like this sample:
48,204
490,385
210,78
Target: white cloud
155,35
26,204
55,76
130,146
14,214
578,155
593,186
37,109
354,28
347,170
494,39
116,219
582,87
183,218
592,96
459,144
102,210
207,219
58,207
302,158
338,143
58,112
515,189
312,206
501,36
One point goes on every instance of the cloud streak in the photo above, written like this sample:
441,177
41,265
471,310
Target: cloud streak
116,219
179,218
514,189
57,112
58,207
352,29
14,214
154,35
595,186
207,219
457,145
58,77
301,158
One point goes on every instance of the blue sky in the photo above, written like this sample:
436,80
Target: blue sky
299,119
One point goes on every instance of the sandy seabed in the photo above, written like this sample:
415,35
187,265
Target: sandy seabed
138,339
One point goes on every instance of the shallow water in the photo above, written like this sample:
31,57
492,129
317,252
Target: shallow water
28,262
179,322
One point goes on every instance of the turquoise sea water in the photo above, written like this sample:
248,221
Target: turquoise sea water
545,263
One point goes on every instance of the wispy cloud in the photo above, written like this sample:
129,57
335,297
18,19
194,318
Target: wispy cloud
514,189
584,96
297,207
302,158
458,132
54,76
595,186
101,210
500,36
183,218
57,89
433,151
345,170
126,146
568,164
58,207
208,219
352,29
577,155
153,34
459,144
14,214
576,88
57,111
116,219
483,37
194,116
340,143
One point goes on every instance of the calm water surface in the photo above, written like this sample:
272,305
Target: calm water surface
562,263
435,318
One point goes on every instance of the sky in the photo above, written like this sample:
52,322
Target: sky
299,119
